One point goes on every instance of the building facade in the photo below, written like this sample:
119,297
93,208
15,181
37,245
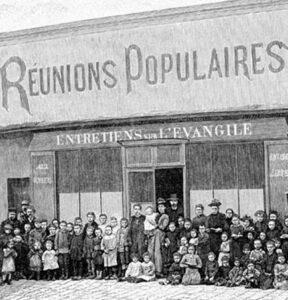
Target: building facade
100,114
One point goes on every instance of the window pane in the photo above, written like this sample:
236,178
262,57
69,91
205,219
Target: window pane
141,186
168,154
139,155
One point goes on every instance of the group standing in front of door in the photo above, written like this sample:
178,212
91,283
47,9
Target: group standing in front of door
219,249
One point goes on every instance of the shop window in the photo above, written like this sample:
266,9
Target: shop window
89,180
18,190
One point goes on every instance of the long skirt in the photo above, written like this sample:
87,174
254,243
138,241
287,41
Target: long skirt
191,277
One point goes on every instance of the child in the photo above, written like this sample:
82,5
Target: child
62,248
277,243
49,259
78,221
272,232
270,260
203,247
7,235
180,221
257,255
44,226
284,237
251,276
8,265
192,263
17,232
27,229
52,234
245,258
249,239
262,237
211,269
170,246
103,222
248,224
281,273
194,238
175,272
76,252
223,272
235,275
237,231
148,269
109,246
114,225
55,223
134,269
183,246
35,260
150,225
21,264
224,247
97,254
122,247
260,224
187,228
88,248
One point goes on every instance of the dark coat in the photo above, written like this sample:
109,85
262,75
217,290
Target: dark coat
135,236
14,223
174,214
76,247
215,221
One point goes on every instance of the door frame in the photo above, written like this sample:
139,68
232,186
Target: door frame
151,167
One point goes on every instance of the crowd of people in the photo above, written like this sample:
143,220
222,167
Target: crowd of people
218,249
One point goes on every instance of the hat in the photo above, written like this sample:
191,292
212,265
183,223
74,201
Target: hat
161,201
25,202
8,226
173,197
259,213
12,209
215,202
199,205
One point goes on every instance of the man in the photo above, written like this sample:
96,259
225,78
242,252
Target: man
30,211
215,226
136,236
200,218
175,210
12,220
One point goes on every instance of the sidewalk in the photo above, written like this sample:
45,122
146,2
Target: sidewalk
102,290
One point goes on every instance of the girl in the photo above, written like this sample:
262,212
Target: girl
257,255
194,238
50,261
35,261
97,254
109,246
148,269
237,231
88,248
281,274
191,262
225,247
183,246
211,269
8,265
134,269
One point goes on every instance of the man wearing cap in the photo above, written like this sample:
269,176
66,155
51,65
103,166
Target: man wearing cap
215,226
174,211
12,220
200,217
162,223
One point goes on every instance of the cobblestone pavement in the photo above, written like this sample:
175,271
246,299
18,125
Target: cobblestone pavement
92,289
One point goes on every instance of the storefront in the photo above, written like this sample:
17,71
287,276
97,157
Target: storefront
128,109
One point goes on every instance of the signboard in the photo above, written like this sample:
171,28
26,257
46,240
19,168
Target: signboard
222,64
272,128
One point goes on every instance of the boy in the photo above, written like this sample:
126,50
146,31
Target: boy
90,223
36,234
257,255
245,258
223,272
235,275
260,224
103,222
272,231
211,269
27,229
134,269
76,252
251,276
175,272
122,247
62,247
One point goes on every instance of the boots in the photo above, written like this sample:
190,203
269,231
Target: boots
92,274
66,272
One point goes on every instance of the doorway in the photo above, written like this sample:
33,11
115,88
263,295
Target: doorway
169,181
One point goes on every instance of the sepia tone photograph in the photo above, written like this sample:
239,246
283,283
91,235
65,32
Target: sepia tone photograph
144,149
